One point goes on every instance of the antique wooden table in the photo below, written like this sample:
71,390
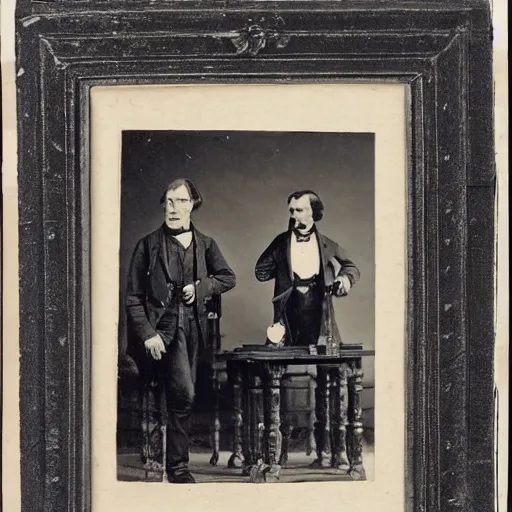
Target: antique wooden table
255,374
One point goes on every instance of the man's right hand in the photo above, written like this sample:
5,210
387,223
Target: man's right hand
155,346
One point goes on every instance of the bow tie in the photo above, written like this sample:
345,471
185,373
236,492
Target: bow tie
303,238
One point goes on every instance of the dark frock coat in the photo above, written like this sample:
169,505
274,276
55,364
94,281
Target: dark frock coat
150,291
275,263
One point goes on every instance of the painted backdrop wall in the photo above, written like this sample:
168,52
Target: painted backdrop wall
245,179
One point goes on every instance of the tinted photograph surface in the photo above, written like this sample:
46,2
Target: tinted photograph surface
247,316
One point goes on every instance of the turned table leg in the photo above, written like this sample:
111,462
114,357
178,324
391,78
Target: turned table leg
153,432
311,442
286,434
257,418
286,424
248,457
355,431
273,373
236,459
268,470
333,416
322,425
216,419
340,419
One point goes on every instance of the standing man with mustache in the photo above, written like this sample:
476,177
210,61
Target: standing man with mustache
174,272
308,268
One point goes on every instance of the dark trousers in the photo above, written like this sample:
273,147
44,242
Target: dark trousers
180,367
304,314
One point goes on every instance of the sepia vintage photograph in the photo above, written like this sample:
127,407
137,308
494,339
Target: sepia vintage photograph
246,307
254,243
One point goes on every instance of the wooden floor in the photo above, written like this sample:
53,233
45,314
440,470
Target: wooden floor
297,470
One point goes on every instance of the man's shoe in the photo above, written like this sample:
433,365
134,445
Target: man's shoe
181,477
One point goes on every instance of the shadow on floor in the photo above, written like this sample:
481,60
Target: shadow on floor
130,469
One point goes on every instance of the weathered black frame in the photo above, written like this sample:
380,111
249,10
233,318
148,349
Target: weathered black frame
441,50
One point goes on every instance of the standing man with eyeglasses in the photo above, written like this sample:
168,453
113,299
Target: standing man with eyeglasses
174,271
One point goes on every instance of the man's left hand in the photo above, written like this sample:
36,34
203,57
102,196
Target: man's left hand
189,294
342,286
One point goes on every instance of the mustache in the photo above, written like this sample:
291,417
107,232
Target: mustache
293,223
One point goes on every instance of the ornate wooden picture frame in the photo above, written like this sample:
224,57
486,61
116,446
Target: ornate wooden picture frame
441,50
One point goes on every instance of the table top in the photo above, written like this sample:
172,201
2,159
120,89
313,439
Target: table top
290,355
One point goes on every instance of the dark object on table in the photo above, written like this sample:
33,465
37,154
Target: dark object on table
271,348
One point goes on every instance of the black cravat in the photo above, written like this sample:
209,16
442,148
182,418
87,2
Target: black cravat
175,232
303,237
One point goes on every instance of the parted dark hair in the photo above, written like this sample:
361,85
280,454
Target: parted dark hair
193,191
316,203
